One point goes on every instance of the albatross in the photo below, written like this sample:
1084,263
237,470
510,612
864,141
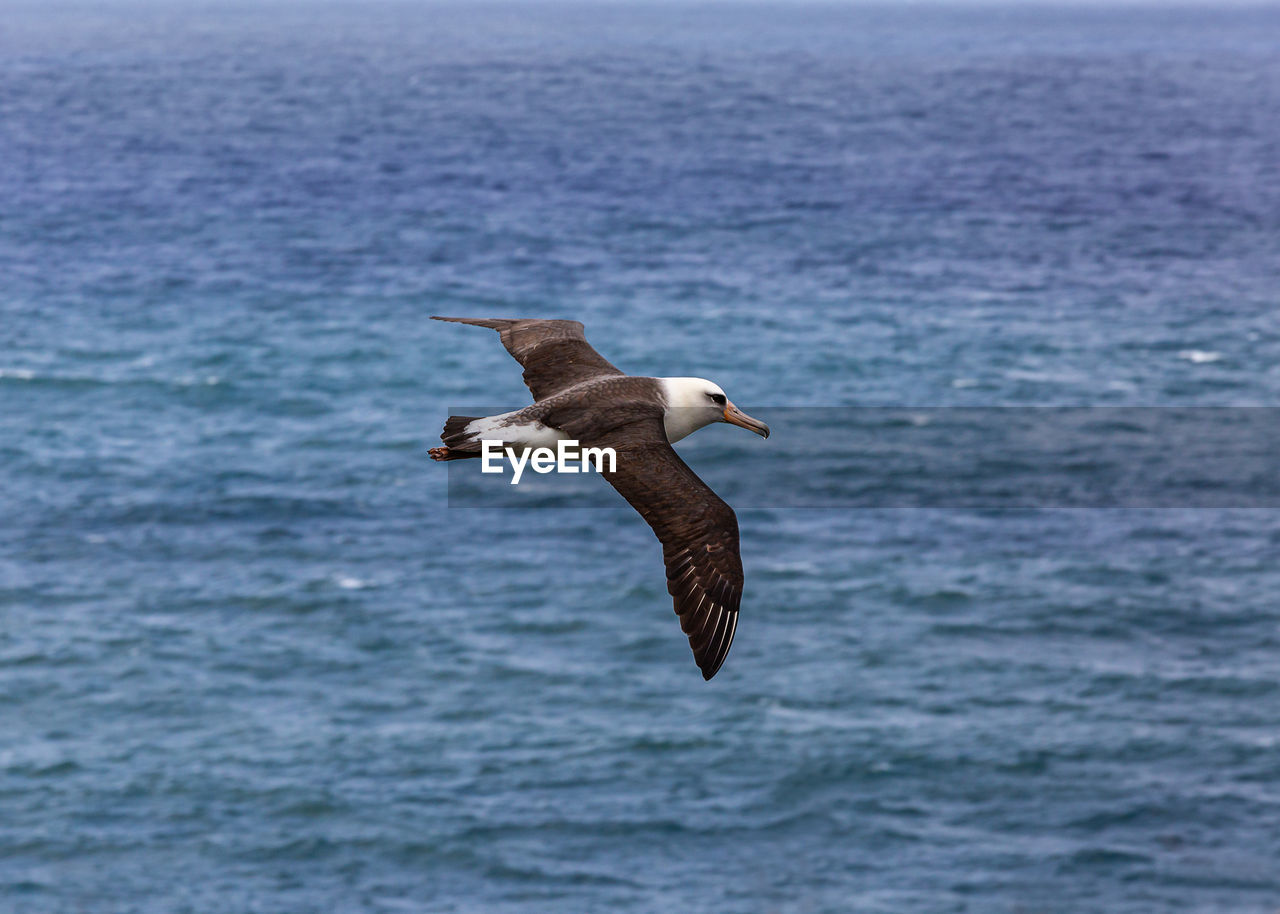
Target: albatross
580,395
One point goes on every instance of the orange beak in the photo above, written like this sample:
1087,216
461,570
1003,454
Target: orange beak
735,416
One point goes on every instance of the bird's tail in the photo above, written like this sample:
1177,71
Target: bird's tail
458,442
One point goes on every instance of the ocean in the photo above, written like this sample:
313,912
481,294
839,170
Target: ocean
256,653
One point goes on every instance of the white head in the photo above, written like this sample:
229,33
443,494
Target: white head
695,402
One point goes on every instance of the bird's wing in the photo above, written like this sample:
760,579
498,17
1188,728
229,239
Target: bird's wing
555,354
698,531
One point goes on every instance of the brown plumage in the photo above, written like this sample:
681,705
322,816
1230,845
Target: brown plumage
555,354
580,394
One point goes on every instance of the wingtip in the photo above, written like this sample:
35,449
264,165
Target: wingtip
725,630
493,323
711,668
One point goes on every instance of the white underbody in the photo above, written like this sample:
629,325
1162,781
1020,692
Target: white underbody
514,433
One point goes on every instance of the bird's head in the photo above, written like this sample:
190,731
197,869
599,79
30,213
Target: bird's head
695,402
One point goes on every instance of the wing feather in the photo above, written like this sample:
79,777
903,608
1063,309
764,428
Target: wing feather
698,531
555,354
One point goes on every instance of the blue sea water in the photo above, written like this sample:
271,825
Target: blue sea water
253,660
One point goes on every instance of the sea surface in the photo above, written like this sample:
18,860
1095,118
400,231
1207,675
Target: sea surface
254,658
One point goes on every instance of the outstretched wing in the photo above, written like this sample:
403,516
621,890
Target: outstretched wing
555,354
698,531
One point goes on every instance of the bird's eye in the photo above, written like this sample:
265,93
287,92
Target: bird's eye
717,399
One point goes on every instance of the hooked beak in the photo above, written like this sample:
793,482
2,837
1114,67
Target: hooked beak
735,416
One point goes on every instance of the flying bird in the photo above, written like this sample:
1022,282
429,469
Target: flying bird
580,395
